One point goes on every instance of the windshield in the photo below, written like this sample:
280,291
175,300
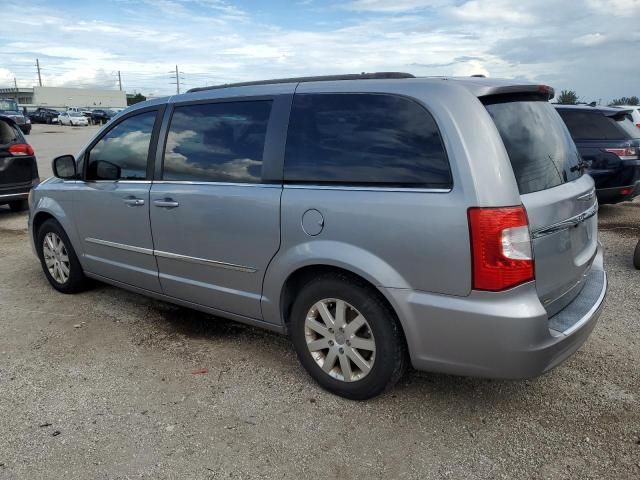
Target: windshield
8,105
74,114
540,148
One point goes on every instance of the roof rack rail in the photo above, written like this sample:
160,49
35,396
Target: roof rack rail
321,78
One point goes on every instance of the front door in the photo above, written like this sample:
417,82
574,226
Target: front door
112,204
215,223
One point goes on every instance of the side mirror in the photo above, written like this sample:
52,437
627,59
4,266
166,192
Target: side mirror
107,170
64,167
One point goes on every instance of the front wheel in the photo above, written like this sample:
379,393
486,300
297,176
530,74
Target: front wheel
347,338
58,259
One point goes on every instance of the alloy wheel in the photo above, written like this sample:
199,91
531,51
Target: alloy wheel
340,339
56,258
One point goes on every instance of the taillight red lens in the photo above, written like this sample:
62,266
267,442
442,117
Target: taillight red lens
500,248
21,149
625,153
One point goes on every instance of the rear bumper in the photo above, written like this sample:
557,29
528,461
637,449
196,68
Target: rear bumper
618,194
495,335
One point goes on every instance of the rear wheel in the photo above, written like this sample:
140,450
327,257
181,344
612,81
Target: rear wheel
636,256
18,205
347,338
58,259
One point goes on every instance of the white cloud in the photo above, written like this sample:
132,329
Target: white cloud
590,39
542,40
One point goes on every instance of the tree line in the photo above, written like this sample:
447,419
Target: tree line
570,97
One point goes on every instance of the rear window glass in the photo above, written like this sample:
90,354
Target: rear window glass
369,139
8,134
596,126
540,148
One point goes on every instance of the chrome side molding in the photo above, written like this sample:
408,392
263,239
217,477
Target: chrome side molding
173,256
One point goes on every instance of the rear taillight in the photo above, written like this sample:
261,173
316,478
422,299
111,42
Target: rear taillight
624,153
638,125
21,149
500,248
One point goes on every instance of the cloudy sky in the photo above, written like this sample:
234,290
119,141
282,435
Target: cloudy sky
592,46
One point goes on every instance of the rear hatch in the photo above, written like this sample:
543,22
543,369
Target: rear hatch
560,201
15,170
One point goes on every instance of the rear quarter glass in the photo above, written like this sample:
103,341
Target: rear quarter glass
540,149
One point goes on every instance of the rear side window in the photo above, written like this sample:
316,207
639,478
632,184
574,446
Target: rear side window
364,139
217,142
8,134
595,126
539,146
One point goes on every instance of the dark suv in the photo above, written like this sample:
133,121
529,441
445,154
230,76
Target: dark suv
609,143
9,108
44,115
18,168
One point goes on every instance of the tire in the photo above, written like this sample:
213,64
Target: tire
18,205
75,281
386,362
49,121
636,256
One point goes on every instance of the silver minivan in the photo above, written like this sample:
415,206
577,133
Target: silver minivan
379,220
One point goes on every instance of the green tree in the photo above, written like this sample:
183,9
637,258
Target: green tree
137,98
626,101
568,97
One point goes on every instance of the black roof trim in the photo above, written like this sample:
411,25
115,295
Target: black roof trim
321,78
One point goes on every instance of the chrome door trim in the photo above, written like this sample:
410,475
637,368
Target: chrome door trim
565,224
121,246
225,184
173,256
204,261
366,188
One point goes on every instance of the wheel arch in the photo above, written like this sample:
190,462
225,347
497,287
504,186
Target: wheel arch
297,279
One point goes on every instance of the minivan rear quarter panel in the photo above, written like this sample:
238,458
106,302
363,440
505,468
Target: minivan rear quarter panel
400,237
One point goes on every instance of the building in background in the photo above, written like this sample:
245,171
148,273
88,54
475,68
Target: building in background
61,97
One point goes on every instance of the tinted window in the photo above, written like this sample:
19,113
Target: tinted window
364,139
541,150
594,125
123,150
218,142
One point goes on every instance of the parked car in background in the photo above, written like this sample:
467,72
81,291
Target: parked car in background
9,108
43,115
635,112
377,219
100,117
18,167
73,118
609,143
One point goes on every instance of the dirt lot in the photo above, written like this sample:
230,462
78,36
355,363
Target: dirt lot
100,385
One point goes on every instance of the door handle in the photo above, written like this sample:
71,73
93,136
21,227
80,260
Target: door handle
166,203
134,202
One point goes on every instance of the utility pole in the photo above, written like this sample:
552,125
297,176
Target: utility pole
119,80
176,75
38,67
15,83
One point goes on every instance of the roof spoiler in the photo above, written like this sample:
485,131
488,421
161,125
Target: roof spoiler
543,90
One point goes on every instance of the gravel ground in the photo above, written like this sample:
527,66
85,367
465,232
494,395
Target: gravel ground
101,385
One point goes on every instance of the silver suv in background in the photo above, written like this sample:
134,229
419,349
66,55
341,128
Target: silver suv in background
380,220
